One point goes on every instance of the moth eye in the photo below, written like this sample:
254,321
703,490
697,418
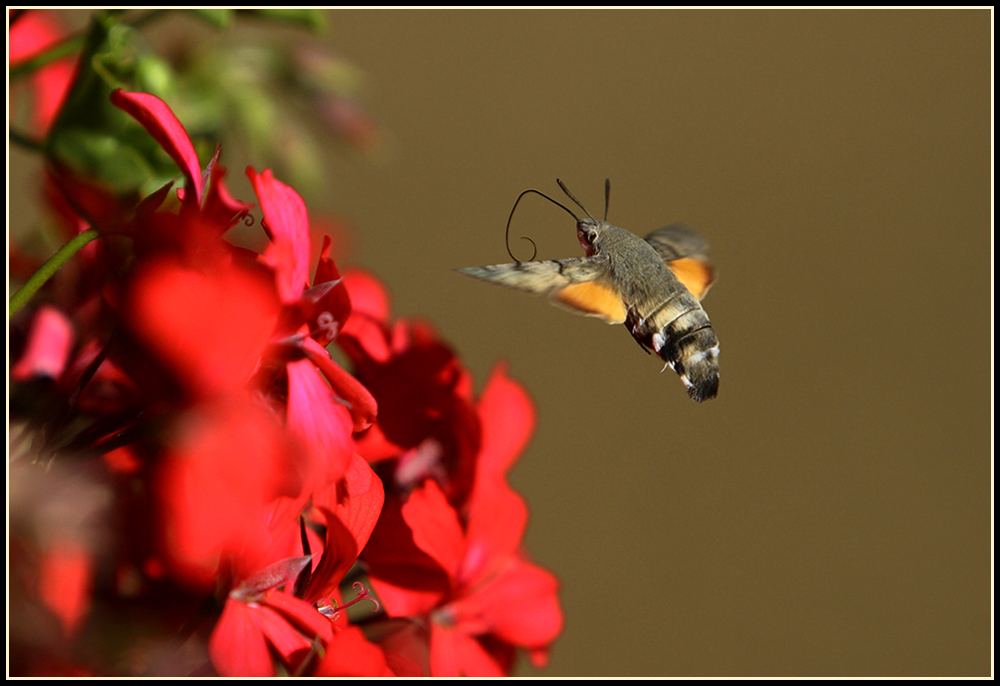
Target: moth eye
591,237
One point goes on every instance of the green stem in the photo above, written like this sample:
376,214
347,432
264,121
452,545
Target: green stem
72,44
50,267
62,49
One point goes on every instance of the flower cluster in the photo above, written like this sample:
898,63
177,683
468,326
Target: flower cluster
198,486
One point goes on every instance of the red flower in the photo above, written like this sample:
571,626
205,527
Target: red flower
349,511
193,376
258,615
312,315
232,330
213,319
299,626
485,598
461,568
426,415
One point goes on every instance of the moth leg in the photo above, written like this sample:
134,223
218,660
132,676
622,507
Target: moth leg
634,328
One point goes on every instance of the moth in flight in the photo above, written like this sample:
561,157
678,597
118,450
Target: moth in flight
652,285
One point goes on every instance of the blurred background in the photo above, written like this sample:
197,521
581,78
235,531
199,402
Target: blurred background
830,513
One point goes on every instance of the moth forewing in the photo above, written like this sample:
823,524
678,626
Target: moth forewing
594,299
574,283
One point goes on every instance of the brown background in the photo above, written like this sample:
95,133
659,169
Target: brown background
830,513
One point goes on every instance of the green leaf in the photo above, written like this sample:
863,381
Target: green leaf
219,18
87,102
119,163
153,74
93,137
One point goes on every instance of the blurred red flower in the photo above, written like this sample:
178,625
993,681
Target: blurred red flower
31,34
255,477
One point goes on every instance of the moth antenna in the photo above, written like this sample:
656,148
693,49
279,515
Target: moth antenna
607,197
573,198
533,245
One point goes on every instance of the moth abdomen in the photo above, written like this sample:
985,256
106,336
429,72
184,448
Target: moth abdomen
695,358
680,332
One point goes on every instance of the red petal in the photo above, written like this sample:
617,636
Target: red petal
328,314
64,580
435,526
350,511
492,540
32,33
288,224
520,604
319,421
237,646
539,657
407,580
156,117
359,401
364,332
360,502
218,491
368,295
281,634
340,552
508,420
48,347
456,654
351,654
211,328
79,201
303,615
326,268
418,595
122,460
373,445
221,208
406,645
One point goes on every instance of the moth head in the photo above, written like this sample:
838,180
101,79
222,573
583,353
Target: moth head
588,231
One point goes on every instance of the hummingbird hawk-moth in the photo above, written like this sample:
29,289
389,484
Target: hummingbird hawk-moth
653,285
